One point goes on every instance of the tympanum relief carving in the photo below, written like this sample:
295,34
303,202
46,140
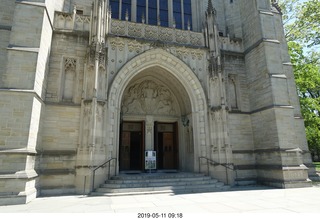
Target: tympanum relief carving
150,98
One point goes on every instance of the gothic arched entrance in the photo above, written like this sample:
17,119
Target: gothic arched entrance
154,104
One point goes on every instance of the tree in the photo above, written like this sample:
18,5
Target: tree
301,20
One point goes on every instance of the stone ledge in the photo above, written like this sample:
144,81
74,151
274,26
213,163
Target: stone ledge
245,167
77,33
38,4
285,184
22,91
62,104
25,174
271,180
24,151
270,167
256,44
274,106
59,190
266,12
262,150
245,181
5,27
51,172
290,168
12,200
57,152
23,49
281,76
17,199
243,151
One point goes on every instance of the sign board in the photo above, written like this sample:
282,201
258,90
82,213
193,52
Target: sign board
150,160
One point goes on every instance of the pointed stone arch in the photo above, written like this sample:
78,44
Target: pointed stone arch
182,73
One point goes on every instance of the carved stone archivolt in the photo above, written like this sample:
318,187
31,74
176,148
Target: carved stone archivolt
148,97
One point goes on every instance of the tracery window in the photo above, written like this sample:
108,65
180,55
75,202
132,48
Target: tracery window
167,13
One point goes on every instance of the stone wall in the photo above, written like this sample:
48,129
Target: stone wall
66,46
57,153
273,118
6,19
241,140
22,84
43,74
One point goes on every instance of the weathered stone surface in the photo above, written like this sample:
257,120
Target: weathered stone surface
65,90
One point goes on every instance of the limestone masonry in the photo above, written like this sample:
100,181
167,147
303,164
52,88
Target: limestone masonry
198,82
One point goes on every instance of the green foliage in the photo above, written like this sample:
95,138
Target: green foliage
302,27
302,21
317,165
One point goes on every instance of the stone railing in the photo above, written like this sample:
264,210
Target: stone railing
71,22
74,22
81,23
156,33
231,45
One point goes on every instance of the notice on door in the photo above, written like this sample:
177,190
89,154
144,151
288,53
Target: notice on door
150,160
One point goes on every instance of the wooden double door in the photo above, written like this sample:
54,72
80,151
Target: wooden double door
132,146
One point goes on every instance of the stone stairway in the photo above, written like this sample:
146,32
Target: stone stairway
155,183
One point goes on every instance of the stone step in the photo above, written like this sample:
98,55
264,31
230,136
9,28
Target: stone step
160,180
163,189
155,183
146,176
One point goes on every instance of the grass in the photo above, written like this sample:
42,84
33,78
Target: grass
317,164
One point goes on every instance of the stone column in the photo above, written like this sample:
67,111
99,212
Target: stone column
149,138
92,147
220,150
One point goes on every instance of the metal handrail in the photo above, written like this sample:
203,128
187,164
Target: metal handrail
212,162
107,162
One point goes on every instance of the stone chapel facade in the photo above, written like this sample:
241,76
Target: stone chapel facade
86,81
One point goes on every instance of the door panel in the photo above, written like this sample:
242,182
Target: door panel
131,146
136,151
168,151
125,151
166,145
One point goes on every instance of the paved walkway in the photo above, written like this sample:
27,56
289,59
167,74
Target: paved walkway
253,201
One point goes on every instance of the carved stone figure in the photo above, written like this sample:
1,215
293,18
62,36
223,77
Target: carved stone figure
148,97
